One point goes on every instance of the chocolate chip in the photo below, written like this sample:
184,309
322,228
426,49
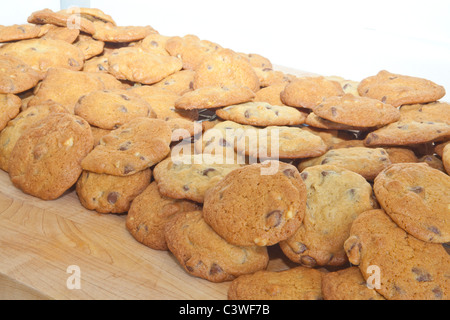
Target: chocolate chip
191,85
73,63
185,188
416,189
325,161
224,143
384,99
247,114
274,219
124,97
154,44
125,146
290,173
207,171
300,248
128,169
101,68
437,292
113,197
308,261
215,269
435,230
334,111
352,193
304,175
422,275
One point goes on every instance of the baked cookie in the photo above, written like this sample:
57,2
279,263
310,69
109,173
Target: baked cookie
16,127
63,34
16,76
149,213
357,111
155,43
111,194
335,197
89,46
135,146
313,120
54,87
97,64
260,204
405,133
397,90
401,155
368,162
108,32
9,108
204,254
43,54
47,157
91,14
62,19
268,77
347,284
308,92
433,161
18,32
407,268
257,60
138,65
349,86
279,142
334,138
110,109
180,82
293,284
225,68
214,97
433,111
190,49
439,148
416,197
446,159
189,177
271,94
262,114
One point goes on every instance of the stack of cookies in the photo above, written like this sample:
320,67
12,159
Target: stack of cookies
222,160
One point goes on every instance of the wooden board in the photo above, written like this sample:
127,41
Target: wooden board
40,240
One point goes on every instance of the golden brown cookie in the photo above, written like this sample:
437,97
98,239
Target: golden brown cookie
357,111
16,127
433,111
180,82
401,155
397,265
111,194
149,213
16,76
433,161
190,176
271,94
347,284
97,64
313,120
368,162
226,68
293,284
260,204
89,46
417,198
309,92
135,146
155,43
21,32
214,97
190,49
204,254
108,32
62,19
9,108
63,34
138,65
268,77
257,60
110,109
397,90
335,197
47,157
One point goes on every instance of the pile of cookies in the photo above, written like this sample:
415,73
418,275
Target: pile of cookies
220,159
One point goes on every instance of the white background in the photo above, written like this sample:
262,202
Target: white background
350,38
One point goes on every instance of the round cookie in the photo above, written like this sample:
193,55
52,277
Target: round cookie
225,68
110,109
368,162
335,197
190,49
293,284
433,111
16,127
260,204
89,46
416,197
108,32
257,60
9,108
18,32
47,157
407,268
189,177
279,142
346,285
61,19
110,194
149,213
214,97
308,92
397,90
262,114
313,120
64,34
405,133
43,54
155,43
271,94
16,76
135,146
357,111
138,65
204,254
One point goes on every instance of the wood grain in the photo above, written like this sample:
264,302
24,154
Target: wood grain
39,240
